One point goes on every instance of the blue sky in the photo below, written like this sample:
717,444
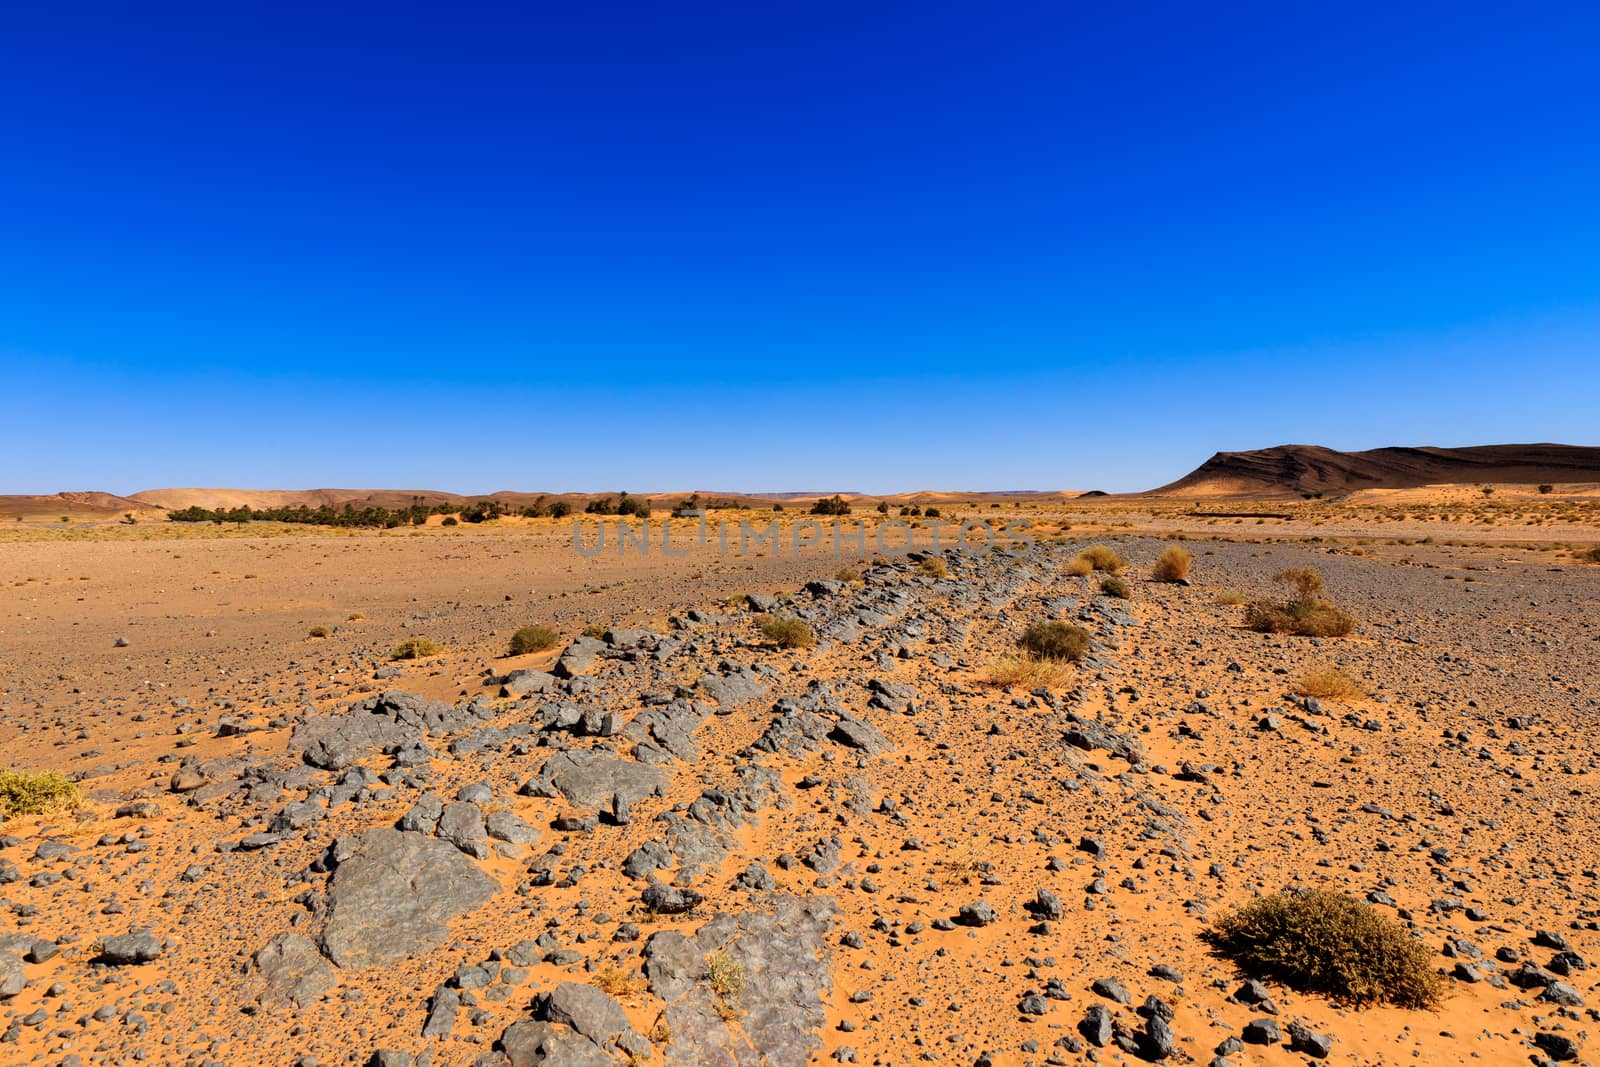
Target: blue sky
822,246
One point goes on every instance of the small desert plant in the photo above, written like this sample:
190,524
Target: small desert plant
594,630
933,568
1307,615
38,793
533,639
620,983
1080,568
1232,598
727,982
1027,672
354,616
416,648
1590,555
1111,585
319,631
1172,565
1328,683
848,574
1546,490
1103,558
786,632
450,520
831,505
1055,640
1317,941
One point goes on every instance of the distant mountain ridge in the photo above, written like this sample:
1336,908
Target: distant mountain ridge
1295,470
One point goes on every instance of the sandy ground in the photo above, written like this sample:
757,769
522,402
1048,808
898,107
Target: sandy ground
1460,785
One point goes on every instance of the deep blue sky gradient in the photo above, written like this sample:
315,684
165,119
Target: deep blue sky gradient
748,246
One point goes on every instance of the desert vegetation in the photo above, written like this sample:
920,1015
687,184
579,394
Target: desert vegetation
1172,565
533,639
1318,941
1055,640
416,648
38,793
786,632
1328,683
1307,614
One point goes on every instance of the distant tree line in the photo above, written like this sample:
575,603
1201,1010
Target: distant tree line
376,516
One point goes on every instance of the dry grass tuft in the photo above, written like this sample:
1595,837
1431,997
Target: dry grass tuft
1055,640
786,632
1591,555
1028,672
38,793
1080,568
848,574
1103,558
594,630
1172,565
318,631
1317,941
533,639
1231,598
616,982
1328,683
416,648
932,568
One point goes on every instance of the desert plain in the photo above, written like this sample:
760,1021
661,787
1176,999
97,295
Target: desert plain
679,840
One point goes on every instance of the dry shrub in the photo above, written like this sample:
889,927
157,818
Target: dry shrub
1103,558
1317,941
1028,672
416,648
1111,585
1591,555
786,632
318,631
932,568
594,630
1308,615
1055,640
1232,598
533,639
1328,683
1172,565
848,574
616,982
1080,567
38,793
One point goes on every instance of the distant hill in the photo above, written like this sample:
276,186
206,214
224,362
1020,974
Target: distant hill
174,499
1295,470
75,505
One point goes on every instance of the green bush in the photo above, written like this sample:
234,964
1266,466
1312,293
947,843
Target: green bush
786,632
1317,941
38,793
831,505
1055,640
533,639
